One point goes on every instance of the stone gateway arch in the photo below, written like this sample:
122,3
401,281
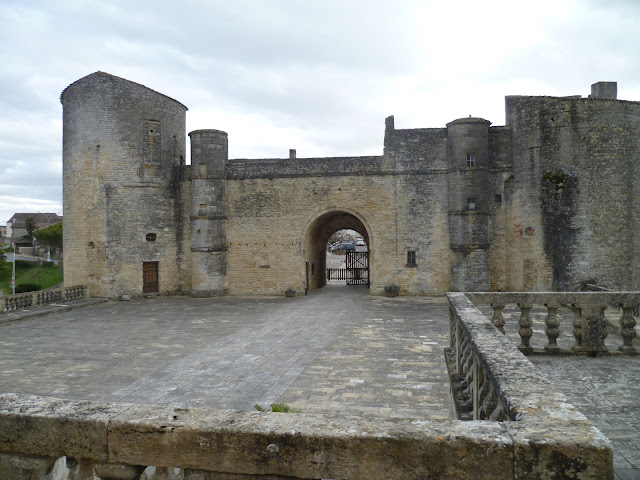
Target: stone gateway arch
548,201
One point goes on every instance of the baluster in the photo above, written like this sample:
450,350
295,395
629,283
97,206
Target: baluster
490,402
593,328
114,471
499,413
484,392
476,381
498,319
24,466
459,341
627,326
577,328
553,332
163,473
452,334
525,331
81,468
604,332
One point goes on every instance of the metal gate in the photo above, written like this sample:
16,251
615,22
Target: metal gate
357,264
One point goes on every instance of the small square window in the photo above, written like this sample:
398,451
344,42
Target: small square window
471,204
202,211
471,160
411,258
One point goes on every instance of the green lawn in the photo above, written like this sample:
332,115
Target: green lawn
30,272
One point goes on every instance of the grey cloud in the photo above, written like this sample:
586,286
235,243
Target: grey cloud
324,72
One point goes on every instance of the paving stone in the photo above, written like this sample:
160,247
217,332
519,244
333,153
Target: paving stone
607,391
235,352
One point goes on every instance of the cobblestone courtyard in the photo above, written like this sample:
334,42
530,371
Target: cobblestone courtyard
338,350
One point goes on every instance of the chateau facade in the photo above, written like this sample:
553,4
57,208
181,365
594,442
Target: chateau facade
550,201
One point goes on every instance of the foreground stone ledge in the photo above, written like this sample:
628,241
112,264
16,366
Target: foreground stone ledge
308,446
575,451
302,445
51,427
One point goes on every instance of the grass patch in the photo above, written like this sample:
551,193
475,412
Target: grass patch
277,407
45,275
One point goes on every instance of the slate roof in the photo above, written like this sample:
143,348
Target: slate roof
42,219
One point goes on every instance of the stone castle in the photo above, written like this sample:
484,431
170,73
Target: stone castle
550,201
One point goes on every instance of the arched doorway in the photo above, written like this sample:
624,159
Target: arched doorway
320,229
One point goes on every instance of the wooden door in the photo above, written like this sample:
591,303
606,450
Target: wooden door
150,277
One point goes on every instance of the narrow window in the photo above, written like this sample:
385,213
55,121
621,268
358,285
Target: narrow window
411,258
471,160
202,212
498,198
152,145
471,204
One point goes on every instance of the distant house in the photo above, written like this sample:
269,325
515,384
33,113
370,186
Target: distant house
16,226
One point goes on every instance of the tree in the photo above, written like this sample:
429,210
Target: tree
31,225
3,257
50,236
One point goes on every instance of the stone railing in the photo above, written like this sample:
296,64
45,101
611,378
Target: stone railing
493,380
19,301
590,327
46,438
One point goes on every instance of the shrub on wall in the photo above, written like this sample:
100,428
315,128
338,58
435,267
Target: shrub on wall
27,287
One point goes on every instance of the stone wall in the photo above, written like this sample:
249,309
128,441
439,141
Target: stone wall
545,202
576,169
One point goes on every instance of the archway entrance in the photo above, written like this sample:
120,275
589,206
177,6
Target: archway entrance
319,233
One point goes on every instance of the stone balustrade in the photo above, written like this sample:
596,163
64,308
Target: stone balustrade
590,327
46,438
12,303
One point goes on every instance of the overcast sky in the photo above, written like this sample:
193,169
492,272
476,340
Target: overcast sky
318,76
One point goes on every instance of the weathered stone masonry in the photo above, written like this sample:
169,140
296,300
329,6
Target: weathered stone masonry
548,201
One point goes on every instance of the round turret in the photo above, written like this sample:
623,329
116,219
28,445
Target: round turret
121,144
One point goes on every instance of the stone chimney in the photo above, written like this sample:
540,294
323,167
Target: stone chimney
606,90
292,154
